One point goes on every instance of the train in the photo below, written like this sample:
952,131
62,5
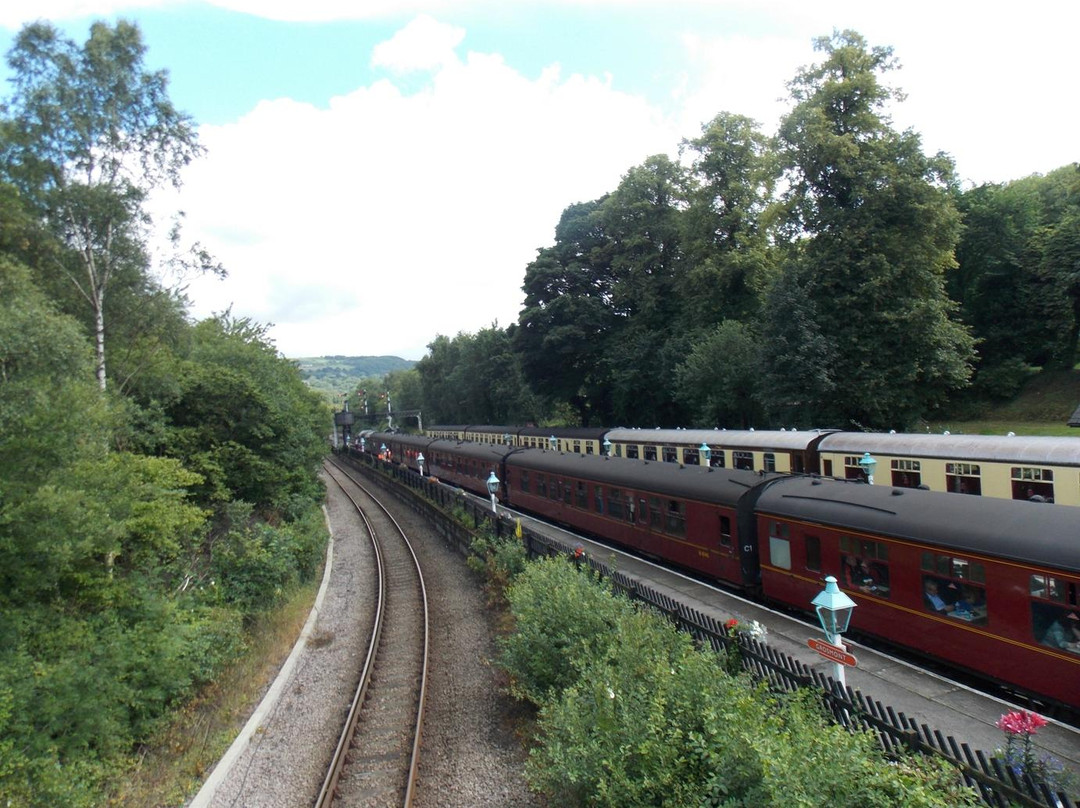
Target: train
983,585
1036,468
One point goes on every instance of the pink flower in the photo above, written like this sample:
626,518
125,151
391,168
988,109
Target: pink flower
1020,722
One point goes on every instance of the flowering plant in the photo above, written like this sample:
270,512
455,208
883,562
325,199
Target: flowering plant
752,629
1019,753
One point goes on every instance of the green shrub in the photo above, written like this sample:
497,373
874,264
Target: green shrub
562,617
637,715
256,564
499,559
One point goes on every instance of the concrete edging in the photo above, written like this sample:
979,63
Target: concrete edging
270,700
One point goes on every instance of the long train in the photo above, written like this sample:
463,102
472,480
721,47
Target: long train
985,585
1043,469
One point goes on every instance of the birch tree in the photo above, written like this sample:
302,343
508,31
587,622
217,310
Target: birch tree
88,133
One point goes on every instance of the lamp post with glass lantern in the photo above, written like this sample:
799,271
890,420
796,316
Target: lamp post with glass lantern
420,463
868,464
607,448
553,442
834,610
706,453
493,489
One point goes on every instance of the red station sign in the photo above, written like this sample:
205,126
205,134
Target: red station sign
833,652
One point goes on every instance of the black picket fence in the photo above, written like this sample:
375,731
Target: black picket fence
998,784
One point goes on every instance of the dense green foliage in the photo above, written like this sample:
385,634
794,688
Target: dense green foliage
829,275
632,713
143,523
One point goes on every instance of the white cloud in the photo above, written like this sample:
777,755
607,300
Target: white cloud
423,44
387,218
13,13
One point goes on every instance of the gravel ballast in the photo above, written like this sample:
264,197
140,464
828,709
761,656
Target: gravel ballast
470,755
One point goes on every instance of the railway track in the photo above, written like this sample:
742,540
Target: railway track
377,756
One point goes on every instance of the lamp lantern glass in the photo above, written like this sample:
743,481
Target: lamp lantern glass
553,442
834,609
420,463
868,464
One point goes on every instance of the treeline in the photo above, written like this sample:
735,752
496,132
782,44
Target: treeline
153,505
827,274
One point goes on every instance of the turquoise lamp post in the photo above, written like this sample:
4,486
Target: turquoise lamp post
834,610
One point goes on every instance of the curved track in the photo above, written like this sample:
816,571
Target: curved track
377,756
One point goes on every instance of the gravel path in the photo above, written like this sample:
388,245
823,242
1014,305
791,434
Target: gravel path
470,756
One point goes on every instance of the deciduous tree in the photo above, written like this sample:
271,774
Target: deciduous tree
89,134
875,227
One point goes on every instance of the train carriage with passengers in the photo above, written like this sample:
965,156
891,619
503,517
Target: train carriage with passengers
783,451
1037,468
986,585
1001,467
688,516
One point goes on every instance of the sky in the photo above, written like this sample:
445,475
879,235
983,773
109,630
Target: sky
380,172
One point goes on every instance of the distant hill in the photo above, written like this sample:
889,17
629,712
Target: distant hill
342,374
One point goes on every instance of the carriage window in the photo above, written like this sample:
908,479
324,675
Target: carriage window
555,492
655,514
864,566
955,599
629,509
725,531
691,457
1034,484
676,518
954,587
780,552
717,459
598,499
631,452
963,478
852,469
1056,627
643,510
742,460
813,553
906,473
577,447
770,461
589,448
525,481
566,493
671,454
541,485
650,453
1048,587
615,503
582,496
616,450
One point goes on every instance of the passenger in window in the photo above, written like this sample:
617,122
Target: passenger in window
934,599
1064,633
860,574
969,604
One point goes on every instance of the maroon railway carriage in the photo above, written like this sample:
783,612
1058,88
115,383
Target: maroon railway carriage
685,515
986,585
466,465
